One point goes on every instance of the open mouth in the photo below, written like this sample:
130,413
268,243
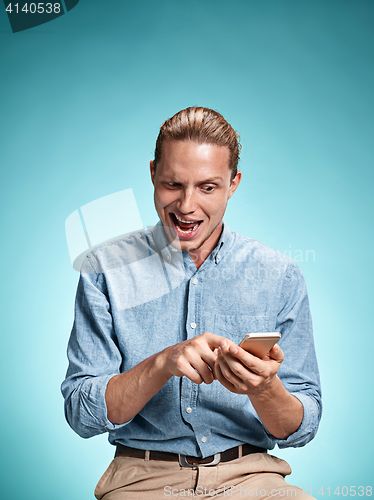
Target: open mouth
184,226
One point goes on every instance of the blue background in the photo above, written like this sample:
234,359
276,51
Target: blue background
82,99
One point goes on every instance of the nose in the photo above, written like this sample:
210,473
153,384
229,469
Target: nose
187,202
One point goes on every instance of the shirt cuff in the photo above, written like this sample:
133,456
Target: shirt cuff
91,413
308,427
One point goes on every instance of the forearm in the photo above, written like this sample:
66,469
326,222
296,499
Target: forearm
280,412
128,392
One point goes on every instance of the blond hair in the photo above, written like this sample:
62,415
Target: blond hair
202,125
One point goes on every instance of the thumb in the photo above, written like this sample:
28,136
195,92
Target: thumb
276,353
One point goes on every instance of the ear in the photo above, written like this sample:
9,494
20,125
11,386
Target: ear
152,171
235,183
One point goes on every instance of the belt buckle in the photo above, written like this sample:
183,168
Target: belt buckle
183,461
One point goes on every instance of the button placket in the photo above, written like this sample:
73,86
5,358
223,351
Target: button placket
192,322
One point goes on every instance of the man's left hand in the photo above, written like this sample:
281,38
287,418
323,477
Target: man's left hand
242,373
239,371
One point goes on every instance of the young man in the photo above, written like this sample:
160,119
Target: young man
189,411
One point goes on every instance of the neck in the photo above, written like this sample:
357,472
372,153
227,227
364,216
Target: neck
199,255
198,260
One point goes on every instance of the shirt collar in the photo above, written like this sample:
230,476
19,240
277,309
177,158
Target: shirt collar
165,248
223,244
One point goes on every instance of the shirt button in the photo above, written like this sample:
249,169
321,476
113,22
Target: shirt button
203,439
218,258
167,258
193,325
195,281
188,409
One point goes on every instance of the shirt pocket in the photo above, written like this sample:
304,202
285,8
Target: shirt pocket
235,327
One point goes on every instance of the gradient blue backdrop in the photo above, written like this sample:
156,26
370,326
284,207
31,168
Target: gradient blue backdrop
82,99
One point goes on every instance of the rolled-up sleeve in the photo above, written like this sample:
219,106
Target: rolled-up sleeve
299,370
94,357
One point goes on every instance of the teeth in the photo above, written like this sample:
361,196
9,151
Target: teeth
188,230
182,220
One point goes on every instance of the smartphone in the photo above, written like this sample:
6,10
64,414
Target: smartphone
259,344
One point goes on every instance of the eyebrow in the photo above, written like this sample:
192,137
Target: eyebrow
212,179
205,181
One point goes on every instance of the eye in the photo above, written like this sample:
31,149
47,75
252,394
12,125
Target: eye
208,189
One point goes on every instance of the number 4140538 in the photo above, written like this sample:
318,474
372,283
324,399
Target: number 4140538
33,8
345,491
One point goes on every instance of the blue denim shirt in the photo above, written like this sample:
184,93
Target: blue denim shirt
137,295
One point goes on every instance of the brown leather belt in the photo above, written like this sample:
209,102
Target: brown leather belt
187,461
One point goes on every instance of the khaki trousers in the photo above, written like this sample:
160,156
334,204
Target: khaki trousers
255,477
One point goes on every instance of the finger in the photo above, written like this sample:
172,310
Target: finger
181,365
191,374
233,353
213,340
264,368
205,372
197,349
207,345
209,357
219,376
223,366
217,370
232,370
276,353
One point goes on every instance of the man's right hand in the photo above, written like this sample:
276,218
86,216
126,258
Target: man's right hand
193,358
128,392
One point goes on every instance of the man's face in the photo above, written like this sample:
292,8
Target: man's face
192,187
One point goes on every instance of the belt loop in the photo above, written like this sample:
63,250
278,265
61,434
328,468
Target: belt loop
240,451
146,454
